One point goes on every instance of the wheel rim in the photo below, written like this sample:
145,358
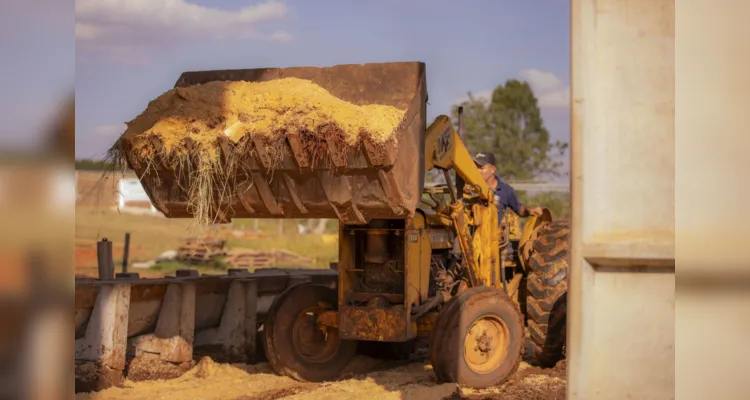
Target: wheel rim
486,344
315,344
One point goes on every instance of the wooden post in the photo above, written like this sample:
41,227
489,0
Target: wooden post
126,253
104,259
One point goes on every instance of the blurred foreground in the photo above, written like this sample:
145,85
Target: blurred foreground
37,195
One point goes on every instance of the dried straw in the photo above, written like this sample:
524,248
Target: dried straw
189,122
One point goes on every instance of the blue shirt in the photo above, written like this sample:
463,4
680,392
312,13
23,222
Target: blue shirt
505,197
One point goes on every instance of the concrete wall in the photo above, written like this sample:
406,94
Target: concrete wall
621,300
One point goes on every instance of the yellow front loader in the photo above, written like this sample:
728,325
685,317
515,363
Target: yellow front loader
413,260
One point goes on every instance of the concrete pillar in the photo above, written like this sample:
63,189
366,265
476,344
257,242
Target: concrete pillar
168,352
172,339
100,353
235,336
712,58
621,299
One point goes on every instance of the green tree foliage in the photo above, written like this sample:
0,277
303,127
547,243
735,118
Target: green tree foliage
510,126
558,203
92,165
87,164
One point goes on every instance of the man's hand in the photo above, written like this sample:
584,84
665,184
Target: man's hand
536,211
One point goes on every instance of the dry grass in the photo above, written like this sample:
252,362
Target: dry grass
204,132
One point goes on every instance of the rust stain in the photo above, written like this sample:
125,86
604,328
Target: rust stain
426,324
329,318
379,324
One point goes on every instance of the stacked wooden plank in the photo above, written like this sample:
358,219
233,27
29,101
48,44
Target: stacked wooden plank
201,250
255,259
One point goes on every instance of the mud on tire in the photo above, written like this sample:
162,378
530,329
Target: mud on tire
547,288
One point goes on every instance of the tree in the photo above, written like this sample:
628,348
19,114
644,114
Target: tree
510,126
93,165
558,203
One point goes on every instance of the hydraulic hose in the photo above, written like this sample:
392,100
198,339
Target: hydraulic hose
504,243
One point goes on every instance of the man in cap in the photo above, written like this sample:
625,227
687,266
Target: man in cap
505,195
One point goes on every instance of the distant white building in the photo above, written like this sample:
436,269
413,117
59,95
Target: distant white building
131,197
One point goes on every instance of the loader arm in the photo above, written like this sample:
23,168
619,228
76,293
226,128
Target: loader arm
445,150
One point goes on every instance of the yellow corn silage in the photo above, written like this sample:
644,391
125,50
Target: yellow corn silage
189,122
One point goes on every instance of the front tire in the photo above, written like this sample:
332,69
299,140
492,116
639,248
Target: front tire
294,343
482,338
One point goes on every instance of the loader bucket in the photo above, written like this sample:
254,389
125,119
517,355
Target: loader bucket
353,185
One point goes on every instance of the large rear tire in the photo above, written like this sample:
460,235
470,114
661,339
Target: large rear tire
294,343
482,338
547,288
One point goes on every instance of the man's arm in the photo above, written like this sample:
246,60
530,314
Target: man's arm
519,208
513,202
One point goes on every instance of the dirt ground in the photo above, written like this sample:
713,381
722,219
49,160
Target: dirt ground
365,378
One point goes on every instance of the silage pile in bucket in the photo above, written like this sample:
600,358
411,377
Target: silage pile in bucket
190,121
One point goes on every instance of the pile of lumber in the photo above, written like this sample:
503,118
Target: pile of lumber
254,259
201,250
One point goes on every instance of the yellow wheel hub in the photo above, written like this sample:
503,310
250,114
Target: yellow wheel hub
486,344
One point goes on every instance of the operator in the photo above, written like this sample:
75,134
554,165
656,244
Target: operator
505,195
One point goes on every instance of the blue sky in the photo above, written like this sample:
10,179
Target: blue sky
130,51
37,71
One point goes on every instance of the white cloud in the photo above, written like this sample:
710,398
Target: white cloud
558,98
127,27
110,130
541,80
548,88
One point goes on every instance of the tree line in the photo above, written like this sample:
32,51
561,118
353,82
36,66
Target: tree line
93,165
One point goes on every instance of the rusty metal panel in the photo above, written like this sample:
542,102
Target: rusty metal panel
426,324
390,324
352,185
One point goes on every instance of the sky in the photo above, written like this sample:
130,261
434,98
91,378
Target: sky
37,72
130,51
